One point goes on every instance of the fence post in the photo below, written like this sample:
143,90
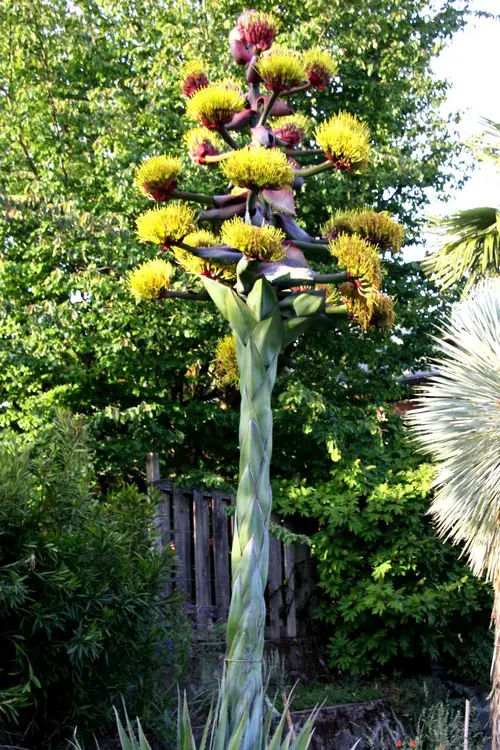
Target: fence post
201,532
152,468
275,581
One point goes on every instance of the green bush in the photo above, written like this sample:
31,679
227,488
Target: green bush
81,615
392,592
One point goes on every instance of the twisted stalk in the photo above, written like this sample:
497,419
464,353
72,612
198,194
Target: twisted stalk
258,330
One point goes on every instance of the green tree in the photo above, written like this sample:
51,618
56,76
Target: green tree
357,486
89,88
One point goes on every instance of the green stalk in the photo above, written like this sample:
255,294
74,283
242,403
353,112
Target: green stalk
259,333
183,195
316,169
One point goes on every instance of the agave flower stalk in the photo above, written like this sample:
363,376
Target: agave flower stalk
254,265
258,330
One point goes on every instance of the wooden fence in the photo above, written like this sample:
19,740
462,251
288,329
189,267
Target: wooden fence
198,525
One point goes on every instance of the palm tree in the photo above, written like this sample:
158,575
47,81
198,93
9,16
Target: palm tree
458,421
472,251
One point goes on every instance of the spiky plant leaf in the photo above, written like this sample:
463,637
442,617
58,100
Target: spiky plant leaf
185,740
458,421
472,252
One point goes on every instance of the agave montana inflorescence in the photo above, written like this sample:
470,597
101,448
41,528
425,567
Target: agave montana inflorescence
258,268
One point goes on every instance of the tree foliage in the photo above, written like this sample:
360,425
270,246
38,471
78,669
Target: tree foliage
89,89
83,620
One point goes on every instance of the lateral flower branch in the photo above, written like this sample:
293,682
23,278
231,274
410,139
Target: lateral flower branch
247,253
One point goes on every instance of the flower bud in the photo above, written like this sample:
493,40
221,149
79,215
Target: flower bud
257,28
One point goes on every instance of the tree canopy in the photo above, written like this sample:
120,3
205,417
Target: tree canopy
89,89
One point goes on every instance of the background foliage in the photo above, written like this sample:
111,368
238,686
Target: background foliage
81,620
89,89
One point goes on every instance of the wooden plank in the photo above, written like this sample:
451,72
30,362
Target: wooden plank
182,542
291,612
201,538
275,581
164,513
221,557
152,468
302,586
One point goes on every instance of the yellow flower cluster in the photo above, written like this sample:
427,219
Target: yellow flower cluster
203,137
157,176
201,238
193,68
203,267
292,129
383,312
193,77
164,226
150,279
256,167
214,106
376,227
360,259
345,141
331,291
258,243
281,69
320,66
359,307
226,363
375,312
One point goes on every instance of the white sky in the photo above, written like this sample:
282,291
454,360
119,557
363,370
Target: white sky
471,63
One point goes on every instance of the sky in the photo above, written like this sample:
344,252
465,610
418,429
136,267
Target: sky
471,64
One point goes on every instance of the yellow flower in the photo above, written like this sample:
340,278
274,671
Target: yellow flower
214,106
383,312
202,142
281,69
157,176
201,238
226,363
345,141
359,307
331,291
150,279
377,228
375,312
292,129
193,77
320,67
203,267
361,261
164,226
258,243
256,167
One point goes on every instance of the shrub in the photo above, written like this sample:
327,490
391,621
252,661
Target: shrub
389,588
82,621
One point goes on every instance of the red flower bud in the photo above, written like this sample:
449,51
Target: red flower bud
257,28
193,83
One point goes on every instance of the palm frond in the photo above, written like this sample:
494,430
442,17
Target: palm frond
472,251
458,421
487,148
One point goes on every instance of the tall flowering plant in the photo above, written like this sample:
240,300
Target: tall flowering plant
250,256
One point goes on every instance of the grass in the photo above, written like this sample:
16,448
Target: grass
408,696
